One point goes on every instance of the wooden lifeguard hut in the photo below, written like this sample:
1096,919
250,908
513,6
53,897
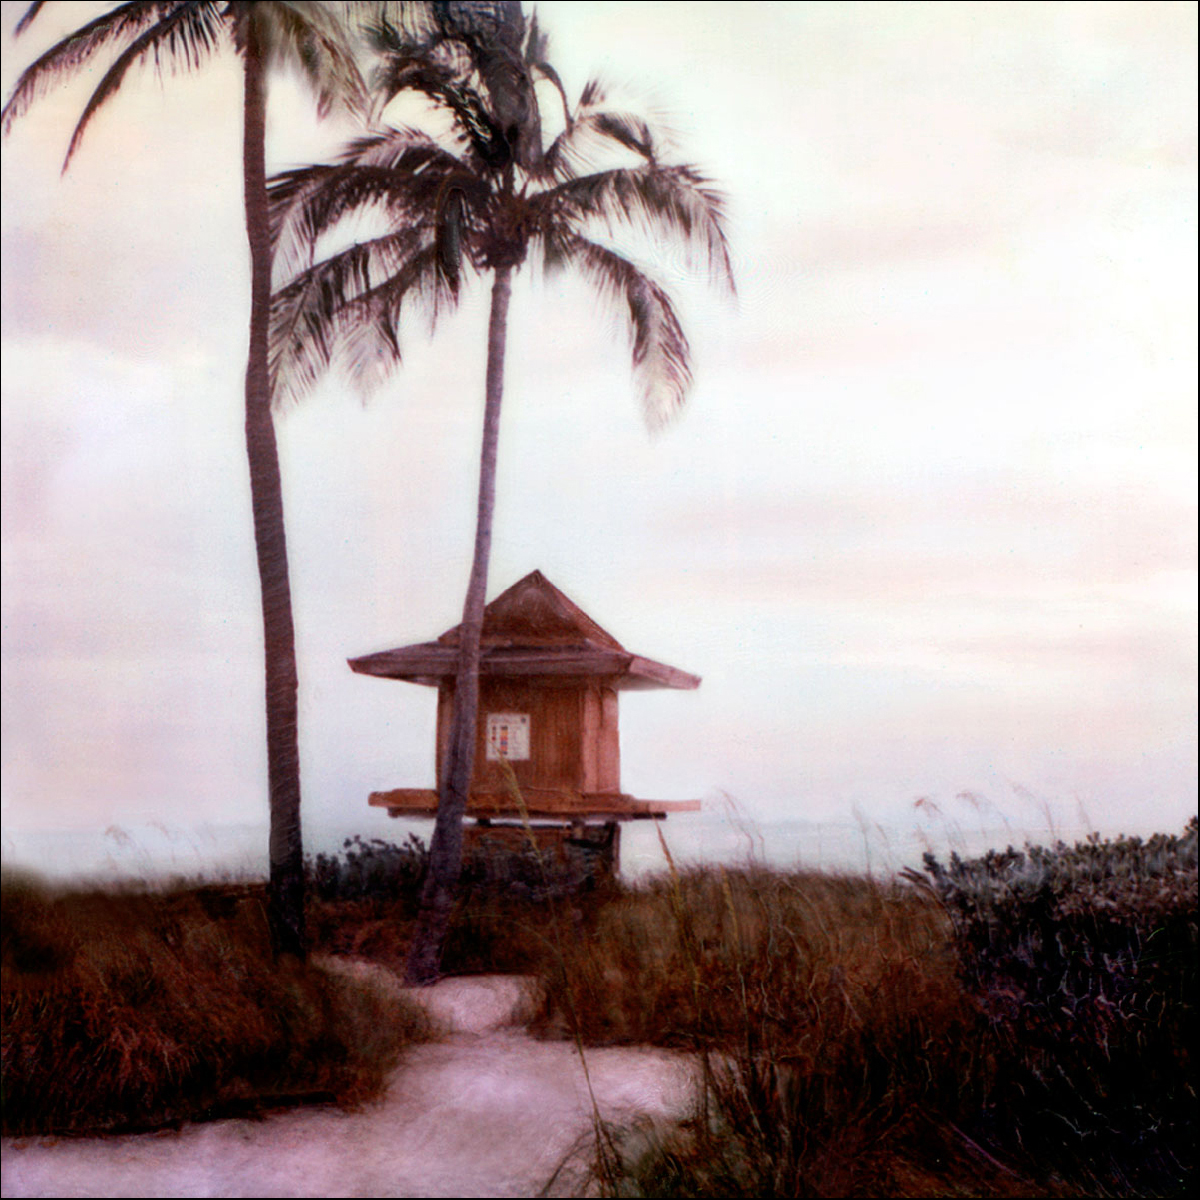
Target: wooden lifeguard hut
549,678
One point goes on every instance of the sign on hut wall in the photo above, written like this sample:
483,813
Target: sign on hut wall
507,737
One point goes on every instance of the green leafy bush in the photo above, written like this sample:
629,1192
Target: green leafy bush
1083,960
370,869
505,866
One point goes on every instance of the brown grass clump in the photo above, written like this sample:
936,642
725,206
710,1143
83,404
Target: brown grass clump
126,1010
841,1054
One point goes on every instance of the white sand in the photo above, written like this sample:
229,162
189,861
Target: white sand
484,1111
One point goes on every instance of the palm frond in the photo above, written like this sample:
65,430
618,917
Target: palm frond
349,302
472,66
537,41
487,29
545,71
378,24
387,148
440,84
371,323
29,16
673,200
304,312
456,42
593,95
590,135
401,46
64,58
493,35
316,38
185,38
413,21
405,177
661,354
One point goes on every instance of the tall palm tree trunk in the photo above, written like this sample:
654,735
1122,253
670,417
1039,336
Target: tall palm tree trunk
445,851
285,908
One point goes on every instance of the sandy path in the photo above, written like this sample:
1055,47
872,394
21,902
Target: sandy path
484,1111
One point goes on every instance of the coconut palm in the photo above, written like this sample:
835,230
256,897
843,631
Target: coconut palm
182,35
483,200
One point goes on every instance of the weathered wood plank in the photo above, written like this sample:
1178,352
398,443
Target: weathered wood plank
422,802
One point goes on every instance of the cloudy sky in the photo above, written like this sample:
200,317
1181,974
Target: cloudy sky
926,528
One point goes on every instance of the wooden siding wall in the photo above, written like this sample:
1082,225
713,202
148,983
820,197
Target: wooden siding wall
573,737
601,741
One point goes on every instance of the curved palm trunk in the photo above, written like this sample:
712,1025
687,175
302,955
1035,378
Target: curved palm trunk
285,909
445,851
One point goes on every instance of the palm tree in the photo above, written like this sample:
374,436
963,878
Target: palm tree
485,200
183,35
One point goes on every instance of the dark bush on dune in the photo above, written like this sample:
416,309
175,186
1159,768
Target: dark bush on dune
375,869
364,900
370,869
1084,960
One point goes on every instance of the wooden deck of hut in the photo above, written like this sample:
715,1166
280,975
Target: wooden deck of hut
548,690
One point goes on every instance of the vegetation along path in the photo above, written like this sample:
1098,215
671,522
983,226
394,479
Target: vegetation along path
484,1110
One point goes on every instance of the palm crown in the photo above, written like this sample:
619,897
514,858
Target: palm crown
489,195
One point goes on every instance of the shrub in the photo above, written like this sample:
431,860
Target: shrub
498,860
364,900
375,869
1083,961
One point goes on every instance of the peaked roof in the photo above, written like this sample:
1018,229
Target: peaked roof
530,629
533,612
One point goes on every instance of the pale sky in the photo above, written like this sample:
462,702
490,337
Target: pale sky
927,526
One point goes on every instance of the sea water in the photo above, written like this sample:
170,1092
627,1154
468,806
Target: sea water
157,851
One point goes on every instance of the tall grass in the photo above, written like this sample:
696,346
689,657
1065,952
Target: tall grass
840,1054
1017,1024
127,1010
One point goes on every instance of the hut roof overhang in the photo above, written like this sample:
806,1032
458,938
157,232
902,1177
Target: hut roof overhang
530,629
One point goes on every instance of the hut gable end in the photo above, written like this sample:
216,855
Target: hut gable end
533,612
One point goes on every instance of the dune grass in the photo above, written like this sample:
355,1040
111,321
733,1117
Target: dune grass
135,1009
841,1055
